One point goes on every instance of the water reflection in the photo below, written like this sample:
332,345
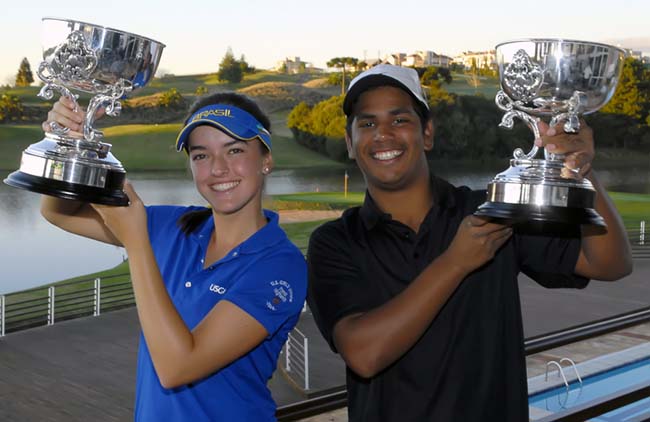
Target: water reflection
33,252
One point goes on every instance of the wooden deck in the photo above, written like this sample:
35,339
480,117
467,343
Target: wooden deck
84,370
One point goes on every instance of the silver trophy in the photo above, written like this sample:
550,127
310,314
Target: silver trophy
108,64
563,80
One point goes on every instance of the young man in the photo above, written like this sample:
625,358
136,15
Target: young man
419,296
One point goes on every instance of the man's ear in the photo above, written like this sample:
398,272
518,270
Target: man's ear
429,131
348,143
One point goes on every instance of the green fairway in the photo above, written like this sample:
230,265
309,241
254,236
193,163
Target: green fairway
138,147
13,140
152,147
633,207
462,85
299,232
318,200
288,154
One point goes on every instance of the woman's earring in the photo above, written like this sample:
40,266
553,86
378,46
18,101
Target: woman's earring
266,170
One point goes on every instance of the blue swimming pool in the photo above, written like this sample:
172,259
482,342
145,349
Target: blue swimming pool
596,387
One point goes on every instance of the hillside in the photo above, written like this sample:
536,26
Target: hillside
274,91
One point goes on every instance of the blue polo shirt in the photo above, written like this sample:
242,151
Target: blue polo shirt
265,276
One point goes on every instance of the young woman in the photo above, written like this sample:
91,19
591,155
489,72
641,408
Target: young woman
217,289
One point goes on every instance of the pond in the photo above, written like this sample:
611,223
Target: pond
34,253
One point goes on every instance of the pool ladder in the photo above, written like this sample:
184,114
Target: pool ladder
560,371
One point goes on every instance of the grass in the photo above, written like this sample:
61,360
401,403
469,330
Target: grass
318,200
146,147
633,207
299,232
187,84
13,140
63,288
151,147
287,154
461,85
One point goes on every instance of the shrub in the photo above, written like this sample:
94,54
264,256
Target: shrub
171,99
11,109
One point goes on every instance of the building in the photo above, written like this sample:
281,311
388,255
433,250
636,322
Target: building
395,59
426,59
479,58
295,65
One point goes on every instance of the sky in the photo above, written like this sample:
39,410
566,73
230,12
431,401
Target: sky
197,34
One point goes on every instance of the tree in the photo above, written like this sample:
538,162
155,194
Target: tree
24,76
474,79
230,68
341,63
630,98
438,96
433,73
245,67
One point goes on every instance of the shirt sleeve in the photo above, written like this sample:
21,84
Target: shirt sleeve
272,292
163,219
336,287
550,260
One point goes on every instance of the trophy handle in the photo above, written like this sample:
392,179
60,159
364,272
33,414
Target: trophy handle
111,98
46,74
575,106
113,107
505,103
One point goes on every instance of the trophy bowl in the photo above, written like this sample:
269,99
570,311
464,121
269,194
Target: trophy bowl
563,80
97,60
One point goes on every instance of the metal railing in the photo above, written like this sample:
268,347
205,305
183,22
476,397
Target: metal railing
65,301
296,357
45,305
636,232
337,398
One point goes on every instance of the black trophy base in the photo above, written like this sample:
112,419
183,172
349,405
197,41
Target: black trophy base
66,190
545,214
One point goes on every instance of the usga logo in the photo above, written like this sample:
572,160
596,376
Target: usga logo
217,289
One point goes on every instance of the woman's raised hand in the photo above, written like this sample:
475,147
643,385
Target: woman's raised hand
66,113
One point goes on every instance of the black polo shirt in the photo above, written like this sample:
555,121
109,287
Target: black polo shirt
469,365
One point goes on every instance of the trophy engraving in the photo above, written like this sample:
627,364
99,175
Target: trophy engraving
523,76
563,80
101,61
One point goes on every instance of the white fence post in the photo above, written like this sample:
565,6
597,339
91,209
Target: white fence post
287,354
98,296
50,305
2,316
305,342
642,233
